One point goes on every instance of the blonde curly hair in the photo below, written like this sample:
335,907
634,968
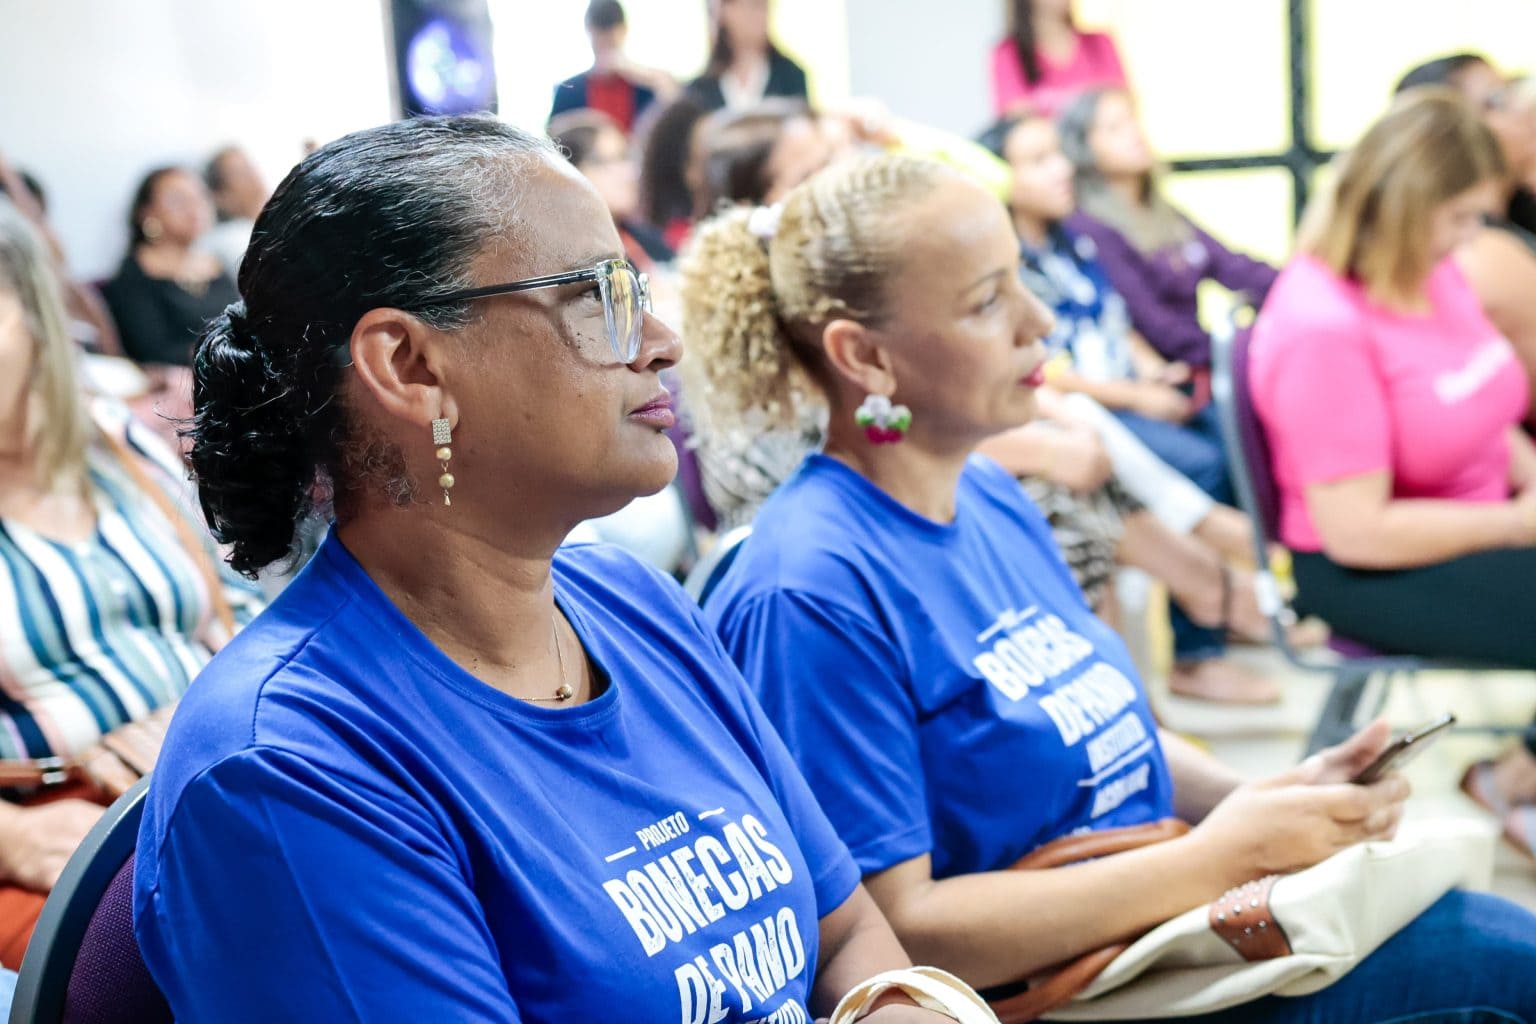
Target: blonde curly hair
754,308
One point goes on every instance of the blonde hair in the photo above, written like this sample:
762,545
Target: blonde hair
754,308
26,270
1372,222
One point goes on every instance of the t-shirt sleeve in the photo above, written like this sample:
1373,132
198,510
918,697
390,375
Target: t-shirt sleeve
1005,490
1008,86
285,892
834,686
1106,57
833,870
1323,400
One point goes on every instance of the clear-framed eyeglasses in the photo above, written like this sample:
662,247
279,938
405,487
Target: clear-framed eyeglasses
625,291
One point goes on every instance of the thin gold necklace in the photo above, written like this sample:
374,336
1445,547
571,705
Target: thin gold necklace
565,692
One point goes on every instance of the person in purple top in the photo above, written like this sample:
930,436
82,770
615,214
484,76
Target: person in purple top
1156,256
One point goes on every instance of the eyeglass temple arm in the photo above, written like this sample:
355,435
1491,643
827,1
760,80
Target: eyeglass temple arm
551,281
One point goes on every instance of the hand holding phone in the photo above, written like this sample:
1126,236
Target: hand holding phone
1404,749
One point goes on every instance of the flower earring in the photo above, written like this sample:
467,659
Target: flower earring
883,422
442,436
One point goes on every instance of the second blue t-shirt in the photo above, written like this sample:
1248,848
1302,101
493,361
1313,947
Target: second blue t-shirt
944,685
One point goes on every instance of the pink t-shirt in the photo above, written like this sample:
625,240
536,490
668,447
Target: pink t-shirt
1345,387
1094,64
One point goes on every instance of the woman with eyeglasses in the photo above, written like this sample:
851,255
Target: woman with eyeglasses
454,773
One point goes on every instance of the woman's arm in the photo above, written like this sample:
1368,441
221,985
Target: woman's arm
1363,527
1174,335
1522,461
36,842
1200,782
1502,271
996,927
1156,401
1069,454
1236,271
856,944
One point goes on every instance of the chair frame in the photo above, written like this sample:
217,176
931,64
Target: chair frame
45,971
711,569
1352,676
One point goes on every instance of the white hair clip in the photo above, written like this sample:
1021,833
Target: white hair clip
764,221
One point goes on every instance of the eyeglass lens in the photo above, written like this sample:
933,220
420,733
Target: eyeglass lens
626,298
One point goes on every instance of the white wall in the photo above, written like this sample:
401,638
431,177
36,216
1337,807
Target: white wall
96,92
540,43
927,60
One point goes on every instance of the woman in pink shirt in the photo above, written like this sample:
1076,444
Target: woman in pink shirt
1392,406
1046,60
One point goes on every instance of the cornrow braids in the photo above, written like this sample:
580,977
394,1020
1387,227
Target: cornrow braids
754,308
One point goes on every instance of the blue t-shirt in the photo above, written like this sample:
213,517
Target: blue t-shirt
345,825
945,686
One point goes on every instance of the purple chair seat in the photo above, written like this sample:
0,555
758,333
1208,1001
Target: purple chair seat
109,983
1352,649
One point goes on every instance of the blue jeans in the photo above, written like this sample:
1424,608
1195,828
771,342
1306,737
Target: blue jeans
1468,959
7,990
1193,448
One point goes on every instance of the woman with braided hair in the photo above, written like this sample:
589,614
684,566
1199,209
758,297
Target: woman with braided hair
903,616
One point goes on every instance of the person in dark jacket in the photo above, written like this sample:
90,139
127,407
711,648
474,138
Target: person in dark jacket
745,65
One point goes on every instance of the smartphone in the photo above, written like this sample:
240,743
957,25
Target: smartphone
1404,749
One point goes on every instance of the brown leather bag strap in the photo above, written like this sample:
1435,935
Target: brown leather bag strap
1244,920
1075,849
1059,985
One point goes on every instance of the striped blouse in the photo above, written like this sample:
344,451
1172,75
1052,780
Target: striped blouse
741,466
102,632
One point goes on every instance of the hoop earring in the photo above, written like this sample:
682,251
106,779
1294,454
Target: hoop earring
151,228
442,436
883,422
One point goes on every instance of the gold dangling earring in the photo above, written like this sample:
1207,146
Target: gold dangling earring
442,435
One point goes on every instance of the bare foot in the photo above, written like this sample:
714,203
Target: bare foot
1514,776
1222,681
1229,532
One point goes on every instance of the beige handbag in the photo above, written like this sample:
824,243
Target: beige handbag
929,987
1319,924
